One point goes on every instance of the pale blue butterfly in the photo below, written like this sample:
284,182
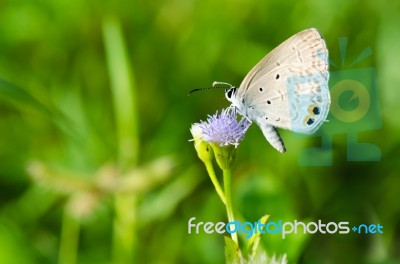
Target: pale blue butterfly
288,88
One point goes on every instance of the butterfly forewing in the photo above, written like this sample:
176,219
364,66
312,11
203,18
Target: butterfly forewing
300,48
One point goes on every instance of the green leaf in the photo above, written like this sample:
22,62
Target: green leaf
254,240
123,90
232,251
21,97
16,94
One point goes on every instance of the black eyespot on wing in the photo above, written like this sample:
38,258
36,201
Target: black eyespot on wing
316,110
277,76
268,102
310,121
261,89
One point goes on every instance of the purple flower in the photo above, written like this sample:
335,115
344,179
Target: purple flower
224,128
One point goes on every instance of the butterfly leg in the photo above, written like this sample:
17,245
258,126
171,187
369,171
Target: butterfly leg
273,137
234,108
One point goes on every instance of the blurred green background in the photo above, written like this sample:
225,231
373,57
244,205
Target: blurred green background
95,162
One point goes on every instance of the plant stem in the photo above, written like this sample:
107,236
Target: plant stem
213,177
125,241
69,239
125,110
228,186
123,92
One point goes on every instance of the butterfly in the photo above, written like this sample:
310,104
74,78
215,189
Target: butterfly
287,89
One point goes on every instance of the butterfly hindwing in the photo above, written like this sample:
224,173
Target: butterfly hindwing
289,98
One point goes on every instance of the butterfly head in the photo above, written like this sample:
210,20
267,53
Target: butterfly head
230,93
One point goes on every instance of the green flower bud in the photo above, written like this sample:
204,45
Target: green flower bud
225,155
204,150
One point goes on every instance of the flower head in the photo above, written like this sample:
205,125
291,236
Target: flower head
224,128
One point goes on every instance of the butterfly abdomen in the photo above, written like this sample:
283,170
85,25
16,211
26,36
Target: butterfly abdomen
273,137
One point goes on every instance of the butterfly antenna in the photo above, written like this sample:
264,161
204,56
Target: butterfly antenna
215,85
199,89
222,85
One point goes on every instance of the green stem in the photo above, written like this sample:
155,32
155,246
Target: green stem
69,239
213,177
125,241
125,109
123,92
229,209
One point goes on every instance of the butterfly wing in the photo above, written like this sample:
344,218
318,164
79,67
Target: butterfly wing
289,87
